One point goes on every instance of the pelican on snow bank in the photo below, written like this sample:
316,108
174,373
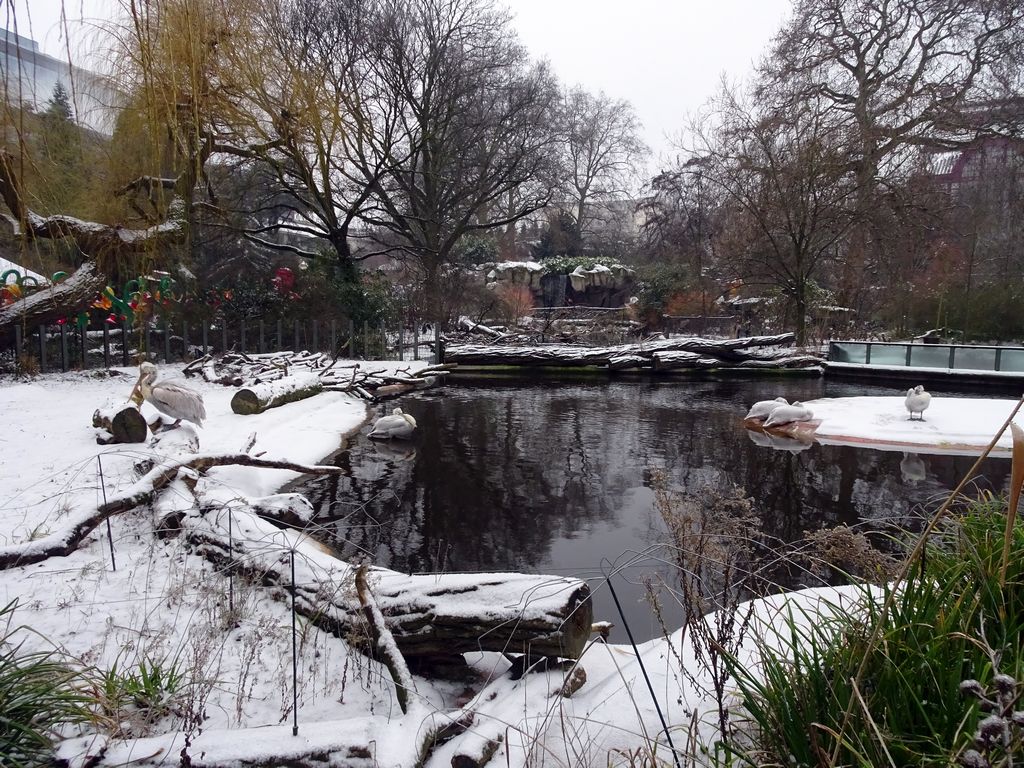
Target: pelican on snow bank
917,402
171,399
787,414
398,424
763,408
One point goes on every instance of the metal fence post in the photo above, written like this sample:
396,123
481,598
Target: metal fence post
263,339
42,348
18,341
416,339
167,340
184,340
224,337
952,356
241,337
63,347
206,340
124,342
867,353
83,334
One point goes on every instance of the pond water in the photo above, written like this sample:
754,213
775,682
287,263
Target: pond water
555,476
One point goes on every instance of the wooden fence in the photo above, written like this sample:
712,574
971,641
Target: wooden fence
69,347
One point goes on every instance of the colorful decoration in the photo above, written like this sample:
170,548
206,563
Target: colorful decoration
137,296
10,293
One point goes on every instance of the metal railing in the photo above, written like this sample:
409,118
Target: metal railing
69,347
959,357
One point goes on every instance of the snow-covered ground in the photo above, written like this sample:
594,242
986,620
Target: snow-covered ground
166,604
952,425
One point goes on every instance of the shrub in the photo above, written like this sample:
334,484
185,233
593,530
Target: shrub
38,695
834,688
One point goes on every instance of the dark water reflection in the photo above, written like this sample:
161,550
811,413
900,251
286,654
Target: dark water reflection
554,477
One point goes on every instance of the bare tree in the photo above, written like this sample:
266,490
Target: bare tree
680,222
603,154
899,75
784,179
454,118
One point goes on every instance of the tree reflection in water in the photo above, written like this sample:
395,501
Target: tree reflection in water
554,476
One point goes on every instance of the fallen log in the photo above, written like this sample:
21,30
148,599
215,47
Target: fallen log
468,325
79,524
393,390
428,616
125,424
668,361
261,397
384,648
625,362
576,355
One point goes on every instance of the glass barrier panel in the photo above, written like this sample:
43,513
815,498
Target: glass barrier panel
971,358
1012,360
888,354
847,352
929,356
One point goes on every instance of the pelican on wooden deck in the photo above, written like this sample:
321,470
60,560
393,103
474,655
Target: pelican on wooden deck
171,399
398,424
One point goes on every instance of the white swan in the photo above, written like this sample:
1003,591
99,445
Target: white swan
398,424
763,408
917,402
787,414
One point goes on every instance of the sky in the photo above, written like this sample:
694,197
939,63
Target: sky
667,57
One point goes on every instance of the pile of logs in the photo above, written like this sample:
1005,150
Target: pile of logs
690,352
551,327
278,378
267,381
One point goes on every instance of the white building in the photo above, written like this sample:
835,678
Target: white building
29,77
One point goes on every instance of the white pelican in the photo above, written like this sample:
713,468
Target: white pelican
917,402
398,424
171,399
787,414
762,408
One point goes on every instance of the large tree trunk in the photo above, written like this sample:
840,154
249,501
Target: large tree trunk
67,298
428,616
78,291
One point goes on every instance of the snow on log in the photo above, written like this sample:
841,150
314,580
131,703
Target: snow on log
466,324
428,616
384,647
49,304
684,352
260,397
625,362
80,523
125,423
669,361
